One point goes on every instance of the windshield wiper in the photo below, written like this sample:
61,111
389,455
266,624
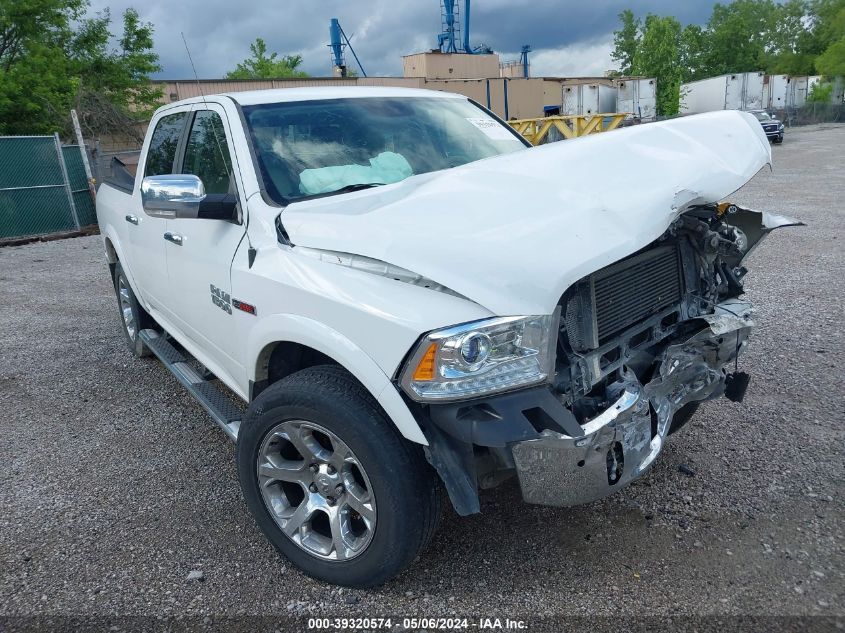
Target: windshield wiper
357,187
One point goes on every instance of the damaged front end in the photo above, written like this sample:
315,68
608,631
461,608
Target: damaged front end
638,341
621,442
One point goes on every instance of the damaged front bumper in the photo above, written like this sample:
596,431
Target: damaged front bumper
574,463
621,443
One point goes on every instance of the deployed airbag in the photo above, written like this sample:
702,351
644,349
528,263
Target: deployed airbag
384,169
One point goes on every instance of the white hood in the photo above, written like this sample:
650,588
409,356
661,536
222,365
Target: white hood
513,232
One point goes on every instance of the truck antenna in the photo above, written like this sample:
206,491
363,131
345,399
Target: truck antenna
252,252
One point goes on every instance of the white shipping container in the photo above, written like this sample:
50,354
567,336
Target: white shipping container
775,97
588,99
744,92
739,91
637,96
799,88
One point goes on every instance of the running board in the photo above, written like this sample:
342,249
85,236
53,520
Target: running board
219,407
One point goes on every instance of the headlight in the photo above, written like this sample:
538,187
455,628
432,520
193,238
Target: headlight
480,358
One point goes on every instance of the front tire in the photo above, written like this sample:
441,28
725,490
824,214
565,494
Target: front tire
132,316
330,481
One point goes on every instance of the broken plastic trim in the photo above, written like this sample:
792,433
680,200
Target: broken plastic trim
376,267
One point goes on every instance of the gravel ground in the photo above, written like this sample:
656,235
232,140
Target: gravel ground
115,485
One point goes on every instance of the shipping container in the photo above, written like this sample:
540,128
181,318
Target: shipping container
591,98
637,96
739,91
775,91
798,90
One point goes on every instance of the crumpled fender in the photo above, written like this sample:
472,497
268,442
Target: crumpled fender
757,224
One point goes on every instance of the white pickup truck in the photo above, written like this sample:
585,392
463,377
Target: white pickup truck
411,299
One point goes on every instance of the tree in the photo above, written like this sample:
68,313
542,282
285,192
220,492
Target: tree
693,52
739,34
114,88
794,37
829,27
263,66
831,63
626,40
659,56
53,57
791,48
35,82
820,92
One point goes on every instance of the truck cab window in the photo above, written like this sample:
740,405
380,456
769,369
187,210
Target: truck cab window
163,143
207,154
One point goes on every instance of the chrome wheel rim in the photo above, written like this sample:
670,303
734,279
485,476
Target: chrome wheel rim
126,307
316,490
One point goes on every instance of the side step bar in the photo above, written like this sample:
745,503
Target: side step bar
219,407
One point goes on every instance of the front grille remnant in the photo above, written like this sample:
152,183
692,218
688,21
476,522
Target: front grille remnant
627,292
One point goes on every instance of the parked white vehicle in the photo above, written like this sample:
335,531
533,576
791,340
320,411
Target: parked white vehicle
405,294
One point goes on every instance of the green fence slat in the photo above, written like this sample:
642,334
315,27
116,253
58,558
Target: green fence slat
79,185
85,207
33,198
34,211
28,161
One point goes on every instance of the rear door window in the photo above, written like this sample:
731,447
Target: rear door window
163,144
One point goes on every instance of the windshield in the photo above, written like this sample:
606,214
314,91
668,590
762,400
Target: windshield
307,148
762,116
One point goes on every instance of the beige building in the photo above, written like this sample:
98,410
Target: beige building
509,97
481,77
437,65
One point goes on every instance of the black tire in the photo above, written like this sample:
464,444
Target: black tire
142,320
779,140
682,416
405,488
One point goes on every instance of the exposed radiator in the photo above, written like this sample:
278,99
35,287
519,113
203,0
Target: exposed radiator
635,288
621,295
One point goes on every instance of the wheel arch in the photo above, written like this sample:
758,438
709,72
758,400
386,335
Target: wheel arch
115,255
111,252
318,343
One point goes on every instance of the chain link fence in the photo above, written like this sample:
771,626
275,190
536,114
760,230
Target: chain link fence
811,113
43,188
103,164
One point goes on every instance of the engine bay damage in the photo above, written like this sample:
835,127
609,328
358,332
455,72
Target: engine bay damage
638,340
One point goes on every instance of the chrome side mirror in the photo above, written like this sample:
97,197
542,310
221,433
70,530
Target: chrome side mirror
172,195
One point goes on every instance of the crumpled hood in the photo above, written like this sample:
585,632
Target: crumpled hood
513,232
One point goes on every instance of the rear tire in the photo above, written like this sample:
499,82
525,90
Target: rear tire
317,431
133,317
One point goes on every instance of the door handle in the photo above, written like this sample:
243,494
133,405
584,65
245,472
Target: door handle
132,219
173,237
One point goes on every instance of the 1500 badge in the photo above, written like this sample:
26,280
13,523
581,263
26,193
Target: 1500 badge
221,299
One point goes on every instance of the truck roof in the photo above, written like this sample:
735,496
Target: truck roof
254,97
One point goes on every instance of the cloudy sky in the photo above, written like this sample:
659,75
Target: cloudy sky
569,37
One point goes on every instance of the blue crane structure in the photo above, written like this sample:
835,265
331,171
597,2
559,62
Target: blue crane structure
339,42
523,59
449,39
